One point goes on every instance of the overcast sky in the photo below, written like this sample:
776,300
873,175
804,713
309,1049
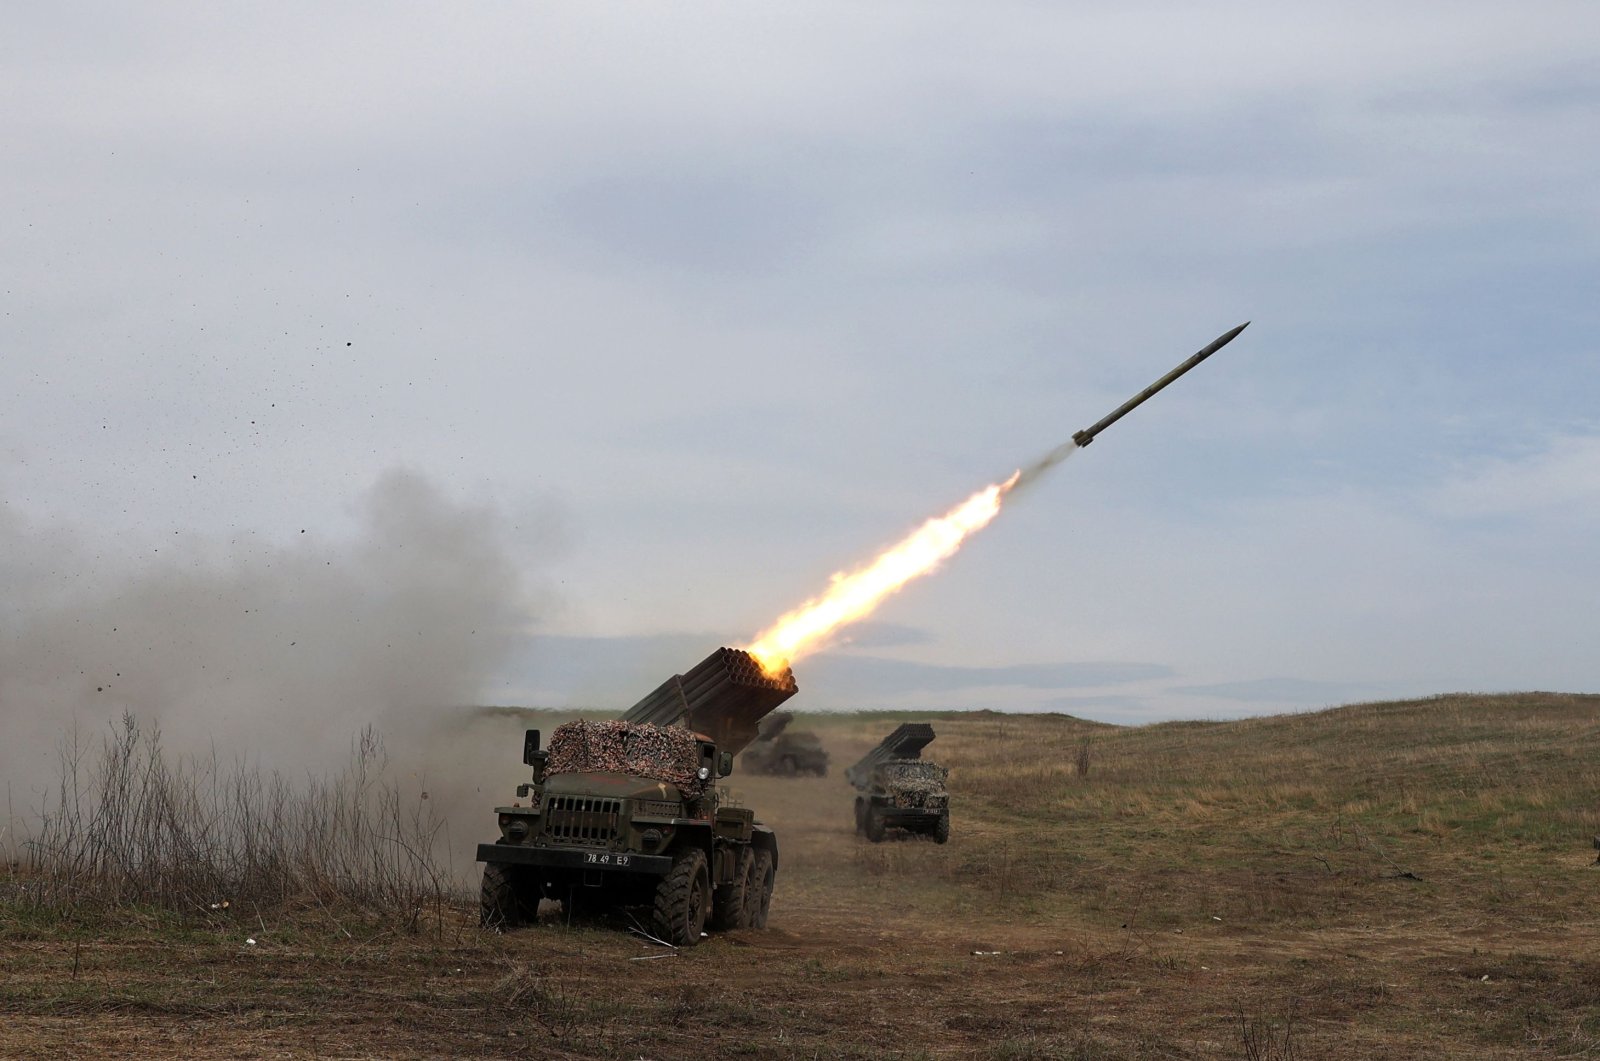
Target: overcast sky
698,304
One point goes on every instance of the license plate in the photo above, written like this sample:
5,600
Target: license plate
596,859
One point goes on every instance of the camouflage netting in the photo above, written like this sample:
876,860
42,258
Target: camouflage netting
919,791
659,753
918,782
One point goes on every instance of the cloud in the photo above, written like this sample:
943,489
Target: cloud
1108,707
1564,474
870,634
1287,693
617,671
862,676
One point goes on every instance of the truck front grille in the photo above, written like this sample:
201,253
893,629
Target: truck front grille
582,820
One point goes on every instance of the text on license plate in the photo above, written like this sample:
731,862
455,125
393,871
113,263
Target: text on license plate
606,859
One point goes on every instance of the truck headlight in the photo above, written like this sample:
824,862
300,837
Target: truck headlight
704,773
515,827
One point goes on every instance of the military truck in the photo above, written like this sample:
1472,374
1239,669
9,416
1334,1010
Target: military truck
898,789
780,751
626,815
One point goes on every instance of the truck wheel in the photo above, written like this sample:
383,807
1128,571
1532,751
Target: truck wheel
501,902
787,767
731,902
861,817
941,831
760,894
683,898
874,825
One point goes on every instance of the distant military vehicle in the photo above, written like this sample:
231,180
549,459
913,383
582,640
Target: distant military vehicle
779,750
900,790
626,813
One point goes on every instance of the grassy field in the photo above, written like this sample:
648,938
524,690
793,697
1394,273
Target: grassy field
1398,880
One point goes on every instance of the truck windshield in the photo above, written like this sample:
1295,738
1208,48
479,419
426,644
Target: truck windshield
659,753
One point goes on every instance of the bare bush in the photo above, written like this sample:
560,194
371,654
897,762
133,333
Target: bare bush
134,826
1261,1038
533,994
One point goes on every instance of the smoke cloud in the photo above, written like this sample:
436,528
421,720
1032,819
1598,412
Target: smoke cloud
276,655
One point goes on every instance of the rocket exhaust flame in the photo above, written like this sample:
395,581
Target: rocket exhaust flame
855,595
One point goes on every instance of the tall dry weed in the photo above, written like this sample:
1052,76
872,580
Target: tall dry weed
131,825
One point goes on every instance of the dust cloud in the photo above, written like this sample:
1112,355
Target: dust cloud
271,656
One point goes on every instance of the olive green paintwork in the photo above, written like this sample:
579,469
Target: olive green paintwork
611,786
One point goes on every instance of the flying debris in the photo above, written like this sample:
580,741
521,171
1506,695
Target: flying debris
1086,436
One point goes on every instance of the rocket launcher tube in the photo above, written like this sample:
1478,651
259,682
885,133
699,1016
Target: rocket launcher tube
724,697
906,742
775,724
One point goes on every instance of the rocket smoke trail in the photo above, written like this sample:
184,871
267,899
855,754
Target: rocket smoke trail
1031,472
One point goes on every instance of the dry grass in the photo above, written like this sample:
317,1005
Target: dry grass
131,826
1399,880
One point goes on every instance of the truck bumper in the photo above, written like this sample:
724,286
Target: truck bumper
574,858
909,817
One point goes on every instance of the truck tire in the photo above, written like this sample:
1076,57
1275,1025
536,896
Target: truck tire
941,831
874,825
861,816
760,894
731,904
502,903
787,767
683,899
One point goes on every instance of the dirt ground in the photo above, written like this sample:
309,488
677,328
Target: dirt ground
1241,890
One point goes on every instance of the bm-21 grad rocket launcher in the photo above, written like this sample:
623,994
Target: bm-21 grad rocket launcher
627,814
779,751
900,790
